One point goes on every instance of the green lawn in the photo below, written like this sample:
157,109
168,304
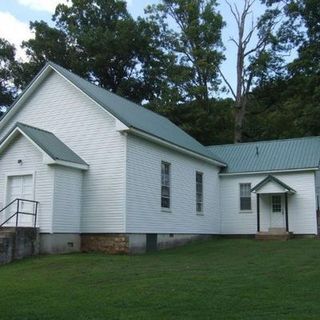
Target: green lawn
217,279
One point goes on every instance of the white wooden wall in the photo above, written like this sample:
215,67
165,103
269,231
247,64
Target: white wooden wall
144,212
302,209
59,107
67,199
32,163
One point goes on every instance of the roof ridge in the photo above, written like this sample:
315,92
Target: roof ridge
262,141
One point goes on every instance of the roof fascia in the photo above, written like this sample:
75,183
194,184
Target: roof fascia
45,71
13,134
266,172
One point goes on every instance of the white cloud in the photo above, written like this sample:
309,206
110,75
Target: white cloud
42,5
15,31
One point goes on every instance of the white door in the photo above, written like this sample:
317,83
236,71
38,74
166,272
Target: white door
21,187
277,212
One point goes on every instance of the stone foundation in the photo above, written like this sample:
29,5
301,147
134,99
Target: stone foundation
111,243
134,243
18,243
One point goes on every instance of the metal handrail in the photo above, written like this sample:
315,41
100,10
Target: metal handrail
16,214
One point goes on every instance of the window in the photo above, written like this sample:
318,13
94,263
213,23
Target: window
245,196
199,191
276,204
165,185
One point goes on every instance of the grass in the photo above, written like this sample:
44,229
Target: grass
217,279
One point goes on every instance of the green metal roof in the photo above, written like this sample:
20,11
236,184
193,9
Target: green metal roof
271,178
136,116
49,143
287,154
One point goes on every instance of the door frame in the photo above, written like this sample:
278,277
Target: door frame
281,195
15,174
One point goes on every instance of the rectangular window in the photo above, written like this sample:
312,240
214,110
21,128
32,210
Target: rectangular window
199,191
245,196
165,185
276,204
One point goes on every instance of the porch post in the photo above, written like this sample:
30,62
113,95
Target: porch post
258,212
286,211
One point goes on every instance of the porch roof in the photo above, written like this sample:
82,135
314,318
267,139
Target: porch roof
272,184
47,142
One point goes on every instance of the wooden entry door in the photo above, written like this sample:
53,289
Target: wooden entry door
277,211
20,187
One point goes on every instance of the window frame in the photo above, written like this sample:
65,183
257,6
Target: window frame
162,196
240,197
199,212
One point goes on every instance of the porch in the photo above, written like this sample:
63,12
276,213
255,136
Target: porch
273,198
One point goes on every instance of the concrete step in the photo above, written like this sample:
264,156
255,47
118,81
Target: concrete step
277,230
273,236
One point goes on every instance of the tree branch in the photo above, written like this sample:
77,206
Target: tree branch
227,83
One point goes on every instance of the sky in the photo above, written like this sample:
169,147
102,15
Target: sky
15,16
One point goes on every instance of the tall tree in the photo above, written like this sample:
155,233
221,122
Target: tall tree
97,39
7,60
189,37
255,43
289,105
190,32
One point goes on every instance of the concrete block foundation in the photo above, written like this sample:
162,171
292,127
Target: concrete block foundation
59,243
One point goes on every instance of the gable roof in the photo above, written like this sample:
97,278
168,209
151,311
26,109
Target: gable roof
271,178
275,155
47,142
130,114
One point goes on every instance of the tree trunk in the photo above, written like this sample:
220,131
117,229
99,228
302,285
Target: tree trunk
239,118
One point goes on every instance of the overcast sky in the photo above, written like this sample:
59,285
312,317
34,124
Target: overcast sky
16,14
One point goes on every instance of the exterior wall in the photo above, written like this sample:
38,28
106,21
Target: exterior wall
317,186
67,200
301,205
144,213
23,149
59,107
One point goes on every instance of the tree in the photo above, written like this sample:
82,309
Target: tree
255,54
7,59
288,106
97,39
189,37
193,41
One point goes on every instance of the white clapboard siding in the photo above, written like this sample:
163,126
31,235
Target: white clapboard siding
301,206
67,200
59,107
144,212
317,183
22,149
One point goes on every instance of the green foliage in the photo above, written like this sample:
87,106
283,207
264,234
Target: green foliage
189,33
98,40
7,59
288,106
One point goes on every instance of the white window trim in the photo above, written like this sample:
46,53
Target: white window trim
239,202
